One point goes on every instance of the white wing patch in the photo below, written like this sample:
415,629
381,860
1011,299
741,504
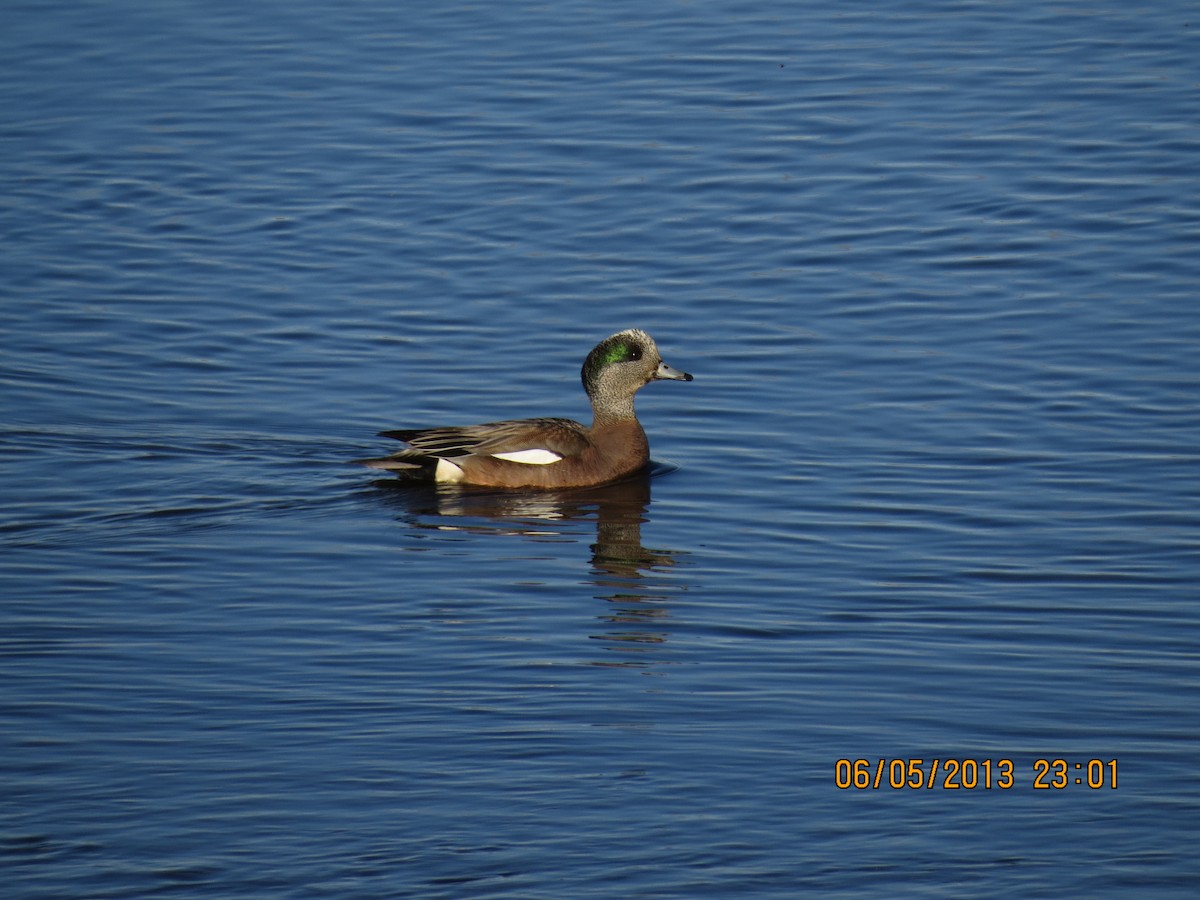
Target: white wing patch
538,456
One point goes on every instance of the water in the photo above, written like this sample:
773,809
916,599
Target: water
932,494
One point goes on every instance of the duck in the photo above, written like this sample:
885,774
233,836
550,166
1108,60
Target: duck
547,453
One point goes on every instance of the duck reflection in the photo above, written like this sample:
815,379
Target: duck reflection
627,574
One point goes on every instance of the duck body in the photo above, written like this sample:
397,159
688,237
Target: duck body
547,453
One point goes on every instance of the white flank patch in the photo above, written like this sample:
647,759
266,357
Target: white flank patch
538,456
447,472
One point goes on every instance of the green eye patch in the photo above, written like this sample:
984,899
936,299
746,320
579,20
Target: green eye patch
619,352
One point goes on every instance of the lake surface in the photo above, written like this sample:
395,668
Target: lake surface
933,494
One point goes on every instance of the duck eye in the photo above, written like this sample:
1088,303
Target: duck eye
635,353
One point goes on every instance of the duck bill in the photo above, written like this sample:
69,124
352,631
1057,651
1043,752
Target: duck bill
665,372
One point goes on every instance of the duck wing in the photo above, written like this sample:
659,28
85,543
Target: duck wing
508,439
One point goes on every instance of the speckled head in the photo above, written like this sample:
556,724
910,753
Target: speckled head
619,366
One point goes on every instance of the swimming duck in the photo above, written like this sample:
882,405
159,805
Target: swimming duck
543,452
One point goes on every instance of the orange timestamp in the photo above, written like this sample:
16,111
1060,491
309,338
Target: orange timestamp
973,774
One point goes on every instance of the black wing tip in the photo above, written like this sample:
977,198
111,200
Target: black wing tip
397,464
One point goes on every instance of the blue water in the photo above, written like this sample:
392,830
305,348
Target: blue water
933,494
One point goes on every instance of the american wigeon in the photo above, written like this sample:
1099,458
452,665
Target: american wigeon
548,453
